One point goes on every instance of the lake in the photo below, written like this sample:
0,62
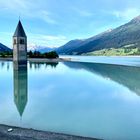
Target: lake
117,60
80,98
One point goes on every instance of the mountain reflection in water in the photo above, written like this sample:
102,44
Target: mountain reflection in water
124,75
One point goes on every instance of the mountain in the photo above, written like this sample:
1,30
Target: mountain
74,44
68,47
125,35
4,48
41,49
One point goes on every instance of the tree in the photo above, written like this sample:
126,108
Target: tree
30,54
37,54
52,54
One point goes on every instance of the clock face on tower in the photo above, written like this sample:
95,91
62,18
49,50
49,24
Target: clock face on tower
22,48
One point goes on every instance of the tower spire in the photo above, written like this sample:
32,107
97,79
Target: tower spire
19,30
20,45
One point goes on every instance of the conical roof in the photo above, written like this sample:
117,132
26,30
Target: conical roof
19,31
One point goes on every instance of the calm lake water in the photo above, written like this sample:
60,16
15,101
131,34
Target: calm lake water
80,98
118,60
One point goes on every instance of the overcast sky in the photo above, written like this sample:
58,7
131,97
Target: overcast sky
54,22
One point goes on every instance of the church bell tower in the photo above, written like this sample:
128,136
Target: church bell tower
20,45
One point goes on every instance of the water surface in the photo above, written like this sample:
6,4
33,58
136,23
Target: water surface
87,99
117,60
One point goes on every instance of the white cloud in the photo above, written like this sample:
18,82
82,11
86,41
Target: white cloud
15,5
46,16
27,9
82,12
47,40
36,40
127,14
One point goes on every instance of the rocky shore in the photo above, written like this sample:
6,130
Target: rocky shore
16,133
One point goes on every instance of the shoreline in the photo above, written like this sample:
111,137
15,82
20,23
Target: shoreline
62,59
31,134
39,59
69,59
48,60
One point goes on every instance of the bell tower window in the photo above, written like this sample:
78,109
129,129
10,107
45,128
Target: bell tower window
15,41
22,41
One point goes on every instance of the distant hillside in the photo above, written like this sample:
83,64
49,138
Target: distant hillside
128,34
68,47
4,48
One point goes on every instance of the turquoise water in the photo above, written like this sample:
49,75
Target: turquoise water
87,99
117,60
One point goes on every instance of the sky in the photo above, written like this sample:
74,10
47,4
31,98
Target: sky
53,23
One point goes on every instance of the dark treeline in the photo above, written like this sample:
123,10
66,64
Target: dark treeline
6,54
35,54
38,65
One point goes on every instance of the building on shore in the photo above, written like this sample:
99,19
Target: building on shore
20,45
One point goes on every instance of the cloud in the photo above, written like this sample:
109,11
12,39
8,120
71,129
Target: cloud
36,39
82,12
47,40
127,14
26,9
15,5
46,16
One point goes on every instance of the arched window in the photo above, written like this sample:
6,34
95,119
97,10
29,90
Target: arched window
15,41
21,41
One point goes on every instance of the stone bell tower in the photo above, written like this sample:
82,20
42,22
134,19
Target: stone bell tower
20,45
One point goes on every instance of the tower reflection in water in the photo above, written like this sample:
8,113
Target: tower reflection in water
20,87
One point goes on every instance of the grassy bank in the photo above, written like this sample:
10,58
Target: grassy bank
124,51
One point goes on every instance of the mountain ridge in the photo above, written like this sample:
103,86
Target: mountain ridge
4,48
121,36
